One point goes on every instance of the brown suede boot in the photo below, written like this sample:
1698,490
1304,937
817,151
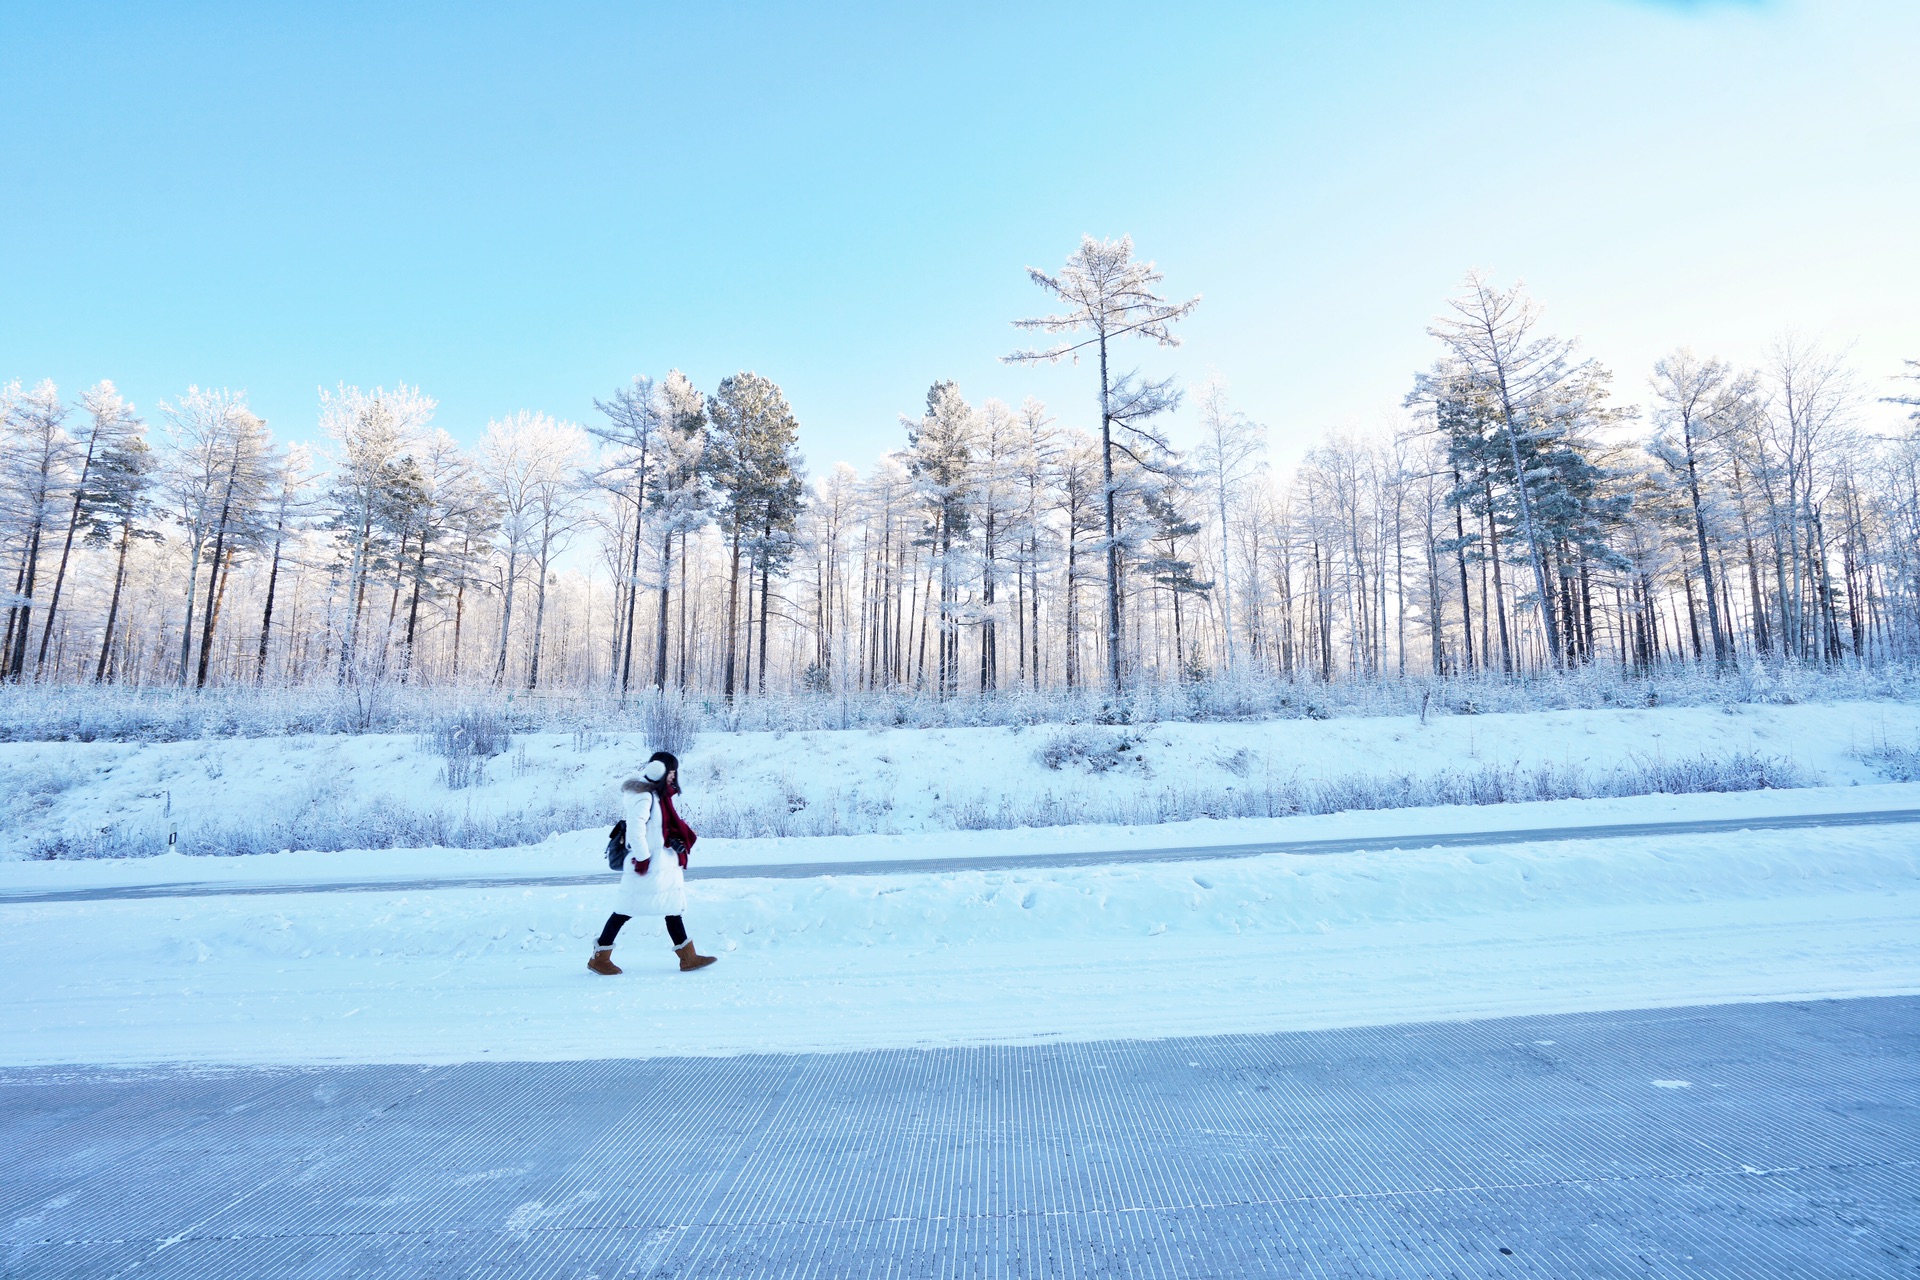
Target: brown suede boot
602,962
691,959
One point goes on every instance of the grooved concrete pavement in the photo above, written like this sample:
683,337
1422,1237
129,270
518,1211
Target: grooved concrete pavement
1739,1141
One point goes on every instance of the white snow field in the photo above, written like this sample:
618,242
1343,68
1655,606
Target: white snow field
993,955
1274,942
80,799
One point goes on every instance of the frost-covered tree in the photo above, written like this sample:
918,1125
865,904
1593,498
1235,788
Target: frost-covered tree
752,462
116,508
1106,291
286,508
449,495
372,432
1082,508
677,501
1492,333
939,458
531,462
1165,565
110,419
1810,397
1035,470
37,459
1697,402
632,430
216,470
557,492
1231,447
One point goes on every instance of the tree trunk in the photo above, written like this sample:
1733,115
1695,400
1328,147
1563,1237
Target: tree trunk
506,615
1460,554
1112,523
273,582
539,617
1499,588
1526,524
1722,651
216,595
766,568
413,605
17,665
733,615
633,590
66,550
660,642
113,607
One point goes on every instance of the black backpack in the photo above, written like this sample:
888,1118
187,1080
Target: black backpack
617,845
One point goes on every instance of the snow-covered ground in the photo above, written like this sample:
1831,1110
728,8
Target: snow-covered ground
71,799
1272,942
909,958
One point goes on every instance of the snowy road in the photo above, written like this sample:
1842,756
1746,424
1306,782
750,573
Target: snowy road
1002,862
1737,1141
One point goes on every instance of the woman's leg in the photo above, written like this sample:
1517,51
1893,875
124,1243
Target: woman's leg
608,934
689,958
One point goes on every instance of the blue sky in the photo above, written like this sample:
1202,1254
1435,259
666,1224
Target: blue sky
520,207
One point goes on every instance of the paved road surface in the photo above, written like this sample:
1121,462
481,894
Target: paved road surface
1010,862
1736,1141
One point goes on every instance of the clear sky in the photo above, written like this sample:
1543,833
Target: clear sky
522,206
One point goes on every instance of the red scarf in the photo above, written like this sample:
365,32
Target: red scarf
673,829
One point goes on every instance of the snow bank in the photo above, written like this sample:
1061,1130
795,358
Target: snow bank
75,799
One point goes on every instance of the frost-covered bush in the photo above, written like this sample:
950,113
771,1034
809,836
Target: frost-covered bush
670,722
1273,795
1894,761
30,786
465,741
1091,751
326,822
85,713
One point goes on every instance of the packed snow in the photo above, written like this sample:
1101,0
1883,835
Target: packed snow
838,962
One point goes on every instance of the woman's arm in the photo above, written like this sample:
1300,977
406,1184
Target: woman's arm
643,831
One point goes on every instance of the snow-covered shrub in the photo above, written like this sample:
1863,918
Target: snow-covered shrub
465,741
670,722
326,820
1893,761
1090,752
30,712
29,787
1275,795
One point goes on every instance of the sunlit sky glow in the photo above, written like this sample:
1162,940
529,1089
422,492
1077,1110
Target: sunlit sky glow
522,207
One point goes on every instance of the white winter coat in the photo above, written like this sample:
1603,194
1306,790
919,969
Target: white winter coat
663,890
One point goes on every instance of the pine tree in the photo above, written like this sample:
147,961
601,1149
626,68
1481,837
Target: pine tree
753,463
110,419
115,506
940,458
1108,292
1165,566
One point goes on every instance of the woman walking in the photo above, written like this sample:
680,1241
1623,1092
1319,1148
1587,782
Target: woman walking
651,883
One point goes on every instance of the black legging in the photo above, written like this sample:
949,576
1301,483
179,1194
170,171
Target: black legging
676,929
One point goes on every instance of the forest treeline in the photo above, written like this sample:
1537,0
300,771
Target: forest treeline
1524,518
